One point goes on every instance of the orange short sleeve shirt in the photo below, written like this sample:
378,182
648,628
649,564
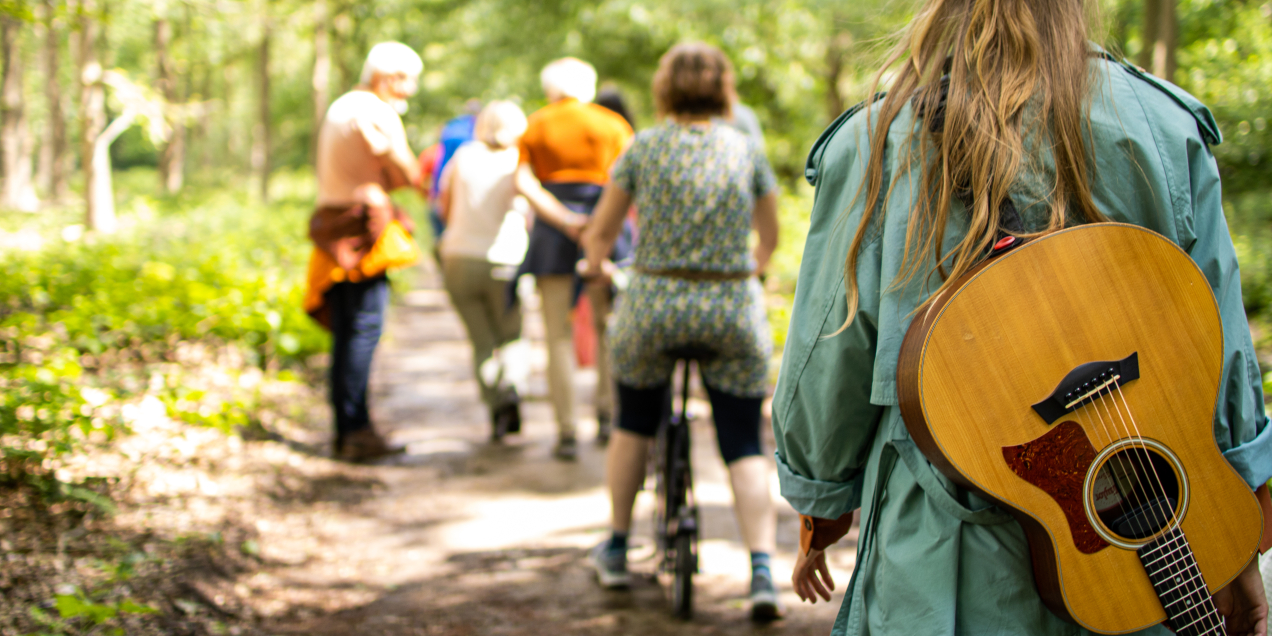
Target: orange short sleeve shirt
569,141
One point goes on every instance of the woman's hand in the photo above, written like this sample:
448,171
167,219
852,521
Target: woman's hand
1243,603
572,225
599,272
812,577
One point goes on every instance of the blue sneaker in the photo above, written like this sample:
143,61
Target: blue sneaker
611,566
764,604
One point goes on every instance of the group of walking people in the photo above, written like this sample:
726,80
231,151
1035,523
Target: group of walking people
585,185
990,101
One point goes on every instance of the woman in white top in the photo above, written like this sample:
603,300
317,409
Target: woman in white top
485,240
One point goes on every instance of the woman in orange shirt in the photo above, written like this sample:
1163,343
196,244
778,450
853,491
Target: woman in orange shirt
566,155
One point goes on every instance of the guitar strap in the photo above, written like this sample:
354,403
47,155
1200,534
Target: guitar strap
1009,222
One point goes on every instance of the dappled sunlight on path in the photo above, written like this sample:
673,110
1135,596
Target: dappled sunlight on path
468,537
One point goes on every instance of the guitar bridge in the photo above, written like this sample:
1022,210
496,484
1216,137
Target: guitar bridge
1085,383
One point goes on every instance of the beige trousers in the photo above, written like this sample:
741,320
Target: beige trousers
557,295
493,328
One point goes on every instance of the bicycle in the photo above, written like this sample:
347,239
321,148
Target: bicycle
676,511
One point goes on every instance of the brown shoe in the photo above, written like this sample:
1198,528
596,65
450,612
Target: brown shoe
365,445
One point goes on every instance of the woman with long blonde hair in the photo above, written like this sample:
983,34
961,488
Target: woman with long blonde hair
1001,117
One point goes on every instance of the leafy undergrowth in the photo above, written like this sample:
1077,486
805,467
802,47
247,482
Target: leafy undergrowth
147,381
163,533
69,570
84,320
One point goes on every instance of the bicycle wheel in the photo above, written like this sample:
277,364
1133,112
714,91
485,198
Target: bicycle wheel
664,491
682,585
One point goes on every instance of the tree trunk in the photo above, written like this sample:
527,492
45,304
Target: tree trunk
237,139
261,145
1148,33
102,193
57,114
98,215
16,143
838,46
1167,39
52,170
172,155
204,130
1160,37
322,71
341,34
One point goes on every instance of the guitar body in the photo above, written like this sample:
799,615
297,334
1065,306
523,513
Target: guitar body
977,370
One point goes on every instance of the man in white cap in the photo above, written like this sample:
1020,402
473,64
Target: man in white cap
362,154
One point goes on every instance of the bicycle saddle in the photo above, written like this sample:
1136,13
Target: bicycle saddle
692,352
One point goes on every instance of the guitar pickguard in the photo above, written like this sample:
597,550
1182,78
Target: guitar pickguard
1057,463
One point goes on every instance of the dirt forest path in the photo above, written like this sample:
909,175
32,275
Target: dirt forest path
464,537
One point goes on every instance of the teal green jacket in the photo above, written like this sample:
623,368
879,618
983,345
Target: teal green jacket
932,558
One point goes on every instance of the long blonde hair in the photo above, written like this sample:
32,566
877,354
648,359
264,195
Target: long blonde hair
1000,56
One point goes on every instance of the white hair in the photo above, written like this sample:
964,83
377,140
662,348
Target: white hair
569,77
390,58
500,124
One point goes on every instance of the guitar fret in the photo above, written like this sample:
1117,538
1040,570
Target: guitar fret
1198,613
1189,626
1191,572
1173,571
1175,545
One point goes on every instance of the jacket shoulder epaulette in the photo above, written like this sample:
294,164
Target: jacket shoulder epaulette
813,163
1205,120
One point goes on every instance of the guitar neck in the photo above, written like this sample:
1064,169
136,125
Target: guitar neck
1173,570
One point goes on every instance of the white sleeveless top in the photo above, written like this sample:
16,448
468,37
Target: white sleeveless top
487,217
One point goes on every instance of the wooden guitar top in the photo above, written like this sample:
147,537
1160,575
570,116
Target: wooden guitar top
977,359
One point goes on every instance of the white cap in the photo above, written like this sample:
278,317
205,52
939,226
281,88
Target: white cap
390,58
569,77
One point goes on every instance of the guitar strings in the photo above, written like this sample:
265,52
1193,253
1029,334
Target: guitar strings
1178,544
1110,438
1210,616
1144,449
1144,463
1125,463
1175,567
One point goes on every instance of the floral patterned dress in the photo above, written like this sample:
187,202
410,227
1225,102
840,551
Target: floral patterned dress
696,187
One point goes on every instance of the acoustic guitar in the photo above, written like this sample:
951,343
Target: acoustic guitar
1073,381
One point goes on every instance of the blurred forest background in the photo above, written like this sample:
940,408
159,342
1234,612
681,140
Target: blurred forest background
156,154
155,161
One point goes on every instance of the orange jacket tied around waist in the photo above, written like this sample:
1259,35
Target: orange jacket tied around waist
354,244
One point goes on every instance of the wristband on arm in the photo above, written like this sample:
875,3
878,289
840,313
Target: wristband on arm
818,534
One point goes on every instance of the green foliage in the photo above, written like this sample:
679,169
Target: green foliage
793,214
80,319
80,613
495,49
1226,61
1249,216
41,405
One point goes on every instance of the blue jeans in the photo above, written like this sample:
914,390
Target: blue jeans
357,318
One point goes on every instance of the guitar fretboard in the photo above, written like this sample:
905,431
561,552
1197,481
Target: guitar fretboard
1173,570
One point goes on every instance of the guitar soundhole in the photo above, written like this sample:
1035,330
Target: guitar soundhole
1136,492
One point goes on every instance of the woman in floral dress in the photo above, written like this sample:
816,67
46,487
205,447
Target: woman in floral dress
700,187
